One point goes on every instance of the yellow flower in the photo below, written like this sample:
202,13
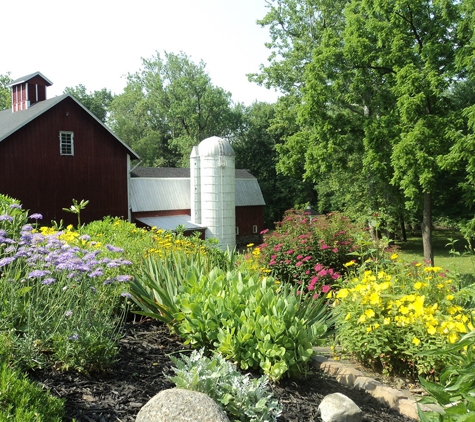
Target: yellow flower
348,316
387,321
450,297
416,341
361,319
431,330
374,299
418,285
349,264
250,245
369,313
342,294
394,256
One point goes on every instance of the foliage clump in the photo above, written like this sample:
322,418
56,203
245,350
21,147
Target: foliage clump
243,398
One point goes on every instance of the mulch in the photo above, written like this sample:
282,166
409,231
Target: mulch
119,393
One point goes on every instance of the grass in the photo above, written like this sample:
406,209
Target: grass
461,262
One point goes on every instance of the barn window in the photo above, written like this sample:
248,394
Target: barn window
66,143
237,231
254,229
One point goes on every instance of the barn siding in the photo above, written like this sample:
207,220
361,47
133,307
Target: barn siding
246,218
33,171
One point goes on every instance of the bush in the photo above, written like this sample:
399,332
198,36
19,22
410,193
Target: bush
309,250
254,321
386,315
241,397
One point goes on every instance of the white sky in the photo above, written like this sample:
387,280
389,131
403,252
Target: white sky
97,42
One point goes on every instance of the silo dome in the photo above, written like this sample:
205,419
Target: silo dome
215,147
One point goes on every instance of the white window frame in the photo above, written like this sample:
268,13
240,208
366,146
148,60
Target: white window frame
254,228
237,231
66,143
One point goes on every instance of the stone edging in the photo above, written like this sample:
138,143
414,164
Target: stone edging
401,401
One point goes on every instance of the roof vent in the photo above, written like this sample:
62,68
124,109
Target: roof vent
28,90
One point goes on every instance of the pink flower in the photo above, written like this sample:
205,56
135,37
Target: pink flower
290,252
264,231
324,246
323,273
299,256
307,258
318,267
287,261
307,272
273,256
298,264
335,250
326,288
272,262
315,296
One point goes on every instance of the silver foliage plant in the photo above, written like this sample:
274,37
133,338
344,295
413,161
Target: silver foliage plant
243,398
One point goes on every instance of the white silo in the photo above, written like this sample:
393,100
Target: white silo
218,190
195,186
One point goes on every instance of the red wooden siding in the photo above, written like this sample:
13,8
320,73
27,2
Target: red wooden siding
246,219
33,171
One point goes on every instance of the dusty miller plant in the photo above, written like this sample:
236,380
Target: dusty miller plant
241,397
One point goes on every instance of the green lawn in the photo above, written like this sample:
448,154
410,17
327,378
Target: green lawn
411,250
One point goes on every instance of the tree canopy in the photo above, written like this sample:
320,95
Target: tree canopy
97,102
376,121
5,96
169,106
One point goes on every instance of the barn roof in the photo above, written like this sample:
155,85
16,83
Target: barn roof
11,122
173,172
26,78
166,189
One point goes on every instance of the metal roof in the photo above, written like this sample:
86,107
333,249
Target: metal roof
10,121
174,172
170,222
165,194
152,194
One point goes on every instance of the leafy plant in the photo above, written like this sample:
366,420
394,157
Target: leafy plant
76,208
455,391
243,398
387,314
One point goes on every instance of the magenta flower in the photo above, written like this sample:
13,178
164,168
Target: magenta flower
326,288
298,264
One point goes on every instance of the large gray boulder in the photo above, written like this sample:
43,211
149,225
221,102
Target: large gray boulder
179,405
337,407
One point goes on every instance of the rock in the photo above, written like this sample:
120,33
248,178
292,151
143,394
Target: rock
179,405
339,408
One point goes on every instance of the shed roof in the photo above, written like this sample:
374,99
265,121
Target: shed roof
11,122
171,222
174,172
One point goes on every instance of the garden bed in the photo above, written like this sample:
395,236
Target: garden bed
138,375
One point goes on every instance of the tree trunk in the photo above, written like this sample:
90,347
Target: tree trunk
403,230
427,229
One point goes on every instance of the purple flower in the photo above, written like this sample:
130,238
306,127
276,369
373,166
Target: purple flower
85,237
114,249
6,261
36,216
74,337
6,217
127,295
49,280
15,206
27,228
123,278
68,313
38,273
96,273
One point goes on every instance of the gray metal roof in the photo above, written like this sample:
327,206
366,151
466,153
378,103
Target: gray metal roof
152,194
165,172
11,122
165,194
170,222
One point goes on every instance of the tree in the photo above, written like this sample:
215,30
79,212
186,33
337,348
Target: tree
97,102
375,108
169,106
5,95
255,148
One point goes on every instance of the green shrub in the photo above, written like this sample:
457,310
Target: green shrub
254,321
20,399
386,315
309,250
241,397
456,390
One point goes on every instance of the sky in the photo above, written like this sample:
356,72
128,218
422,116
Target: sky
97,43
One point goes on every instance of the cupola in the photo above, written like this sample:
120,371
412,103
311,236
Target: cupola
28,90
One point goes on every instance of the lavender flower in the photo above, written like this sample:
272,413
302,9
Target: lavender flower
127,295
38,273
6,261
68,313
85,237
74,337
6,217
15,206
96,273
36,216
114,249
49,280
27,228
123,278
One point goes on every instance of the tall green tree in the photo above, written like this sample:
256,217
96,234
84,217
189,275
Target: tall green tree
255,148
5,95
169,106
375,116
97,102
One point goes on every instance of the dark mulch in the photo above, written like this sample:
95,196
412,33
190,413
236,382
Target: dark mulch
118,394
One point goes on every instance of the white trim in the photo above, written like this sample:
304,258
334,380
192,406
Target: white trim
66,141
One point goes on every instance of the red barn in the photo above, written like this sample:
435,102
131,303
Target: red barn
54,150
